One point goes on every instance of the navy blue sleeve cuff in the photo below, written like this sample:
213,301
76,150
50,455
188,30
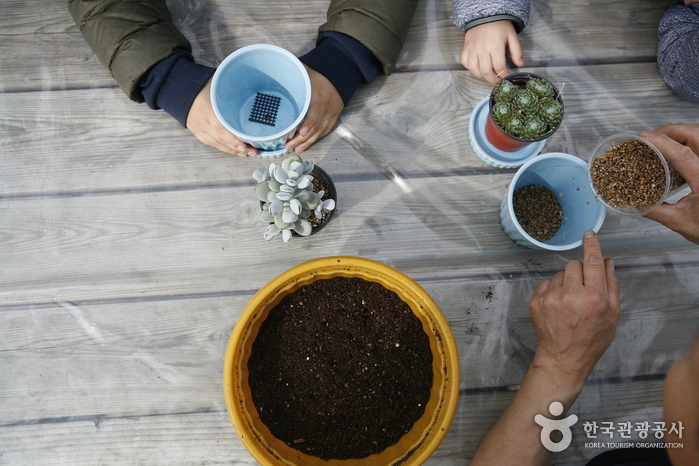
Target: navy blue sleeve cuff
174,83
344,61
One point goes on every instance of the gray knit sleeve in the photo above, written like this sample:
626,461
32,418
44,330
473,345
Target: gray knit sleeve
678,50
471,13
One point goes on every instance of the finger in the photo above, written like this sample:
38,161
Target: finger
612,287
593,262
473,65
464,58
515,49
500,65
309,140
684,133
557,281
664,214
542,288
487,71
308,129
228,139
573,273
682,157
308,126
209,140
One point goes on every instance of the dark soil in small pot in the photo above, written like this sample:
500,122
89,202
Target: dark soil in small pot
526,107
321,180
538,211
341,368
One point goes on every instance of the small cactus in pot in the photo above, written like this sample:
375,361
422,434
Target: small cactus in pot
288,200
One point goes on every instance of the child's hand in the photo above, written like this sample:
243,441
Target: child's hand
485,48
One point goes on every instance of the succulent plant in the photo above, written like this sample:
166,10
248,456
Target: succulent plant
501,111
533,128
525,101
540,87
287,193
504,91
514,125
516,98
551,111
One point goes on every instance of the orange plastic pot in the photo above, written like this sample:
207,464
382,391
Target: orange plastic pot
500,139
415,447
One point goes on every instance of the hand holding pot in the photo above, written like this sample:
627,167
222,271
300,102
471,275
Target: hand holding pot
485,50
326,105
202,122
679,144
575,315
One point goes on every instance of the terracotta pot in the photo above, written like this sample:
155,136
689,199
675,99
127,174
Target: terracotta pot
496,134
415,447
500,139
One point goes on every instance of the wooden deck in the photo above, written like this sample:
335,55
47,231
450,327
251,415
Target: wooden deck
128,250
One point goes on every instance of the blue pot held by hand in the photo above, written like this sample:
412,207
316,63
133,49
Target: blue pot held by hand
261,94
566,176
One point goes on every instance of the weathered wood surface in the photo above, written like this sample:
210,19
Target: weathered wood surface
42,47
128,250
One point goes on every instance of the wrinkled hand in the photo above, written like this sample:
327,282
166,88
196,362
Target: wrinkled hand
575,314
485,48
202,122
326,105
680,146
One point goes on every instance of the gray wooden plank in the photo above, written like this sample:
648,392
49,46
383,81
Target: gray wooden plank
45,49
209,438
68,242
144,353
415,125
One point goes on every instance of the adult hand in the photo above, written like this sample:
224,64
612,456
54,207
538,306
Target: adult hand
202,122
575,315
326,105
485,48
688,2
681,405
680,145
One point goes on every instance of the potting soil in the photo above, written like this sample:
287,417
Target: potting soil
341,368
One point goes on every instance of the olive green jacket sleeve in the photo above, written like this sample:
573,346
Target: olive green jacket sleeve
380,25
128,36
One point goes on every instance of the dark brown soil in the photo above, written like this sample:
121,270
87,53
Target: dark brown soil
341,368
318,184
537,211
629,174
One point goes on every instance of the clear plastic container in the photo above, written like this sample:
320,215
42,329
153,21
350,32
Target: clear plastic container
672,179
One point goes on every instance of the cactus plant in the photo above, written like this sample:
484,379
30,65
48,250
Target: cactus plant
287,193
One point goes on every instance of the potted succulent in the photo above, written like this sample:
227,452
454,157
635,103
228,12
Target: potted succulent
293,200
412,446
524,108
511,125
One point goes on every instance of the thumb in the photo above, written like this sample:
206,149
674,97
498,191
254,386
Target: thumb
515,49
664,214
